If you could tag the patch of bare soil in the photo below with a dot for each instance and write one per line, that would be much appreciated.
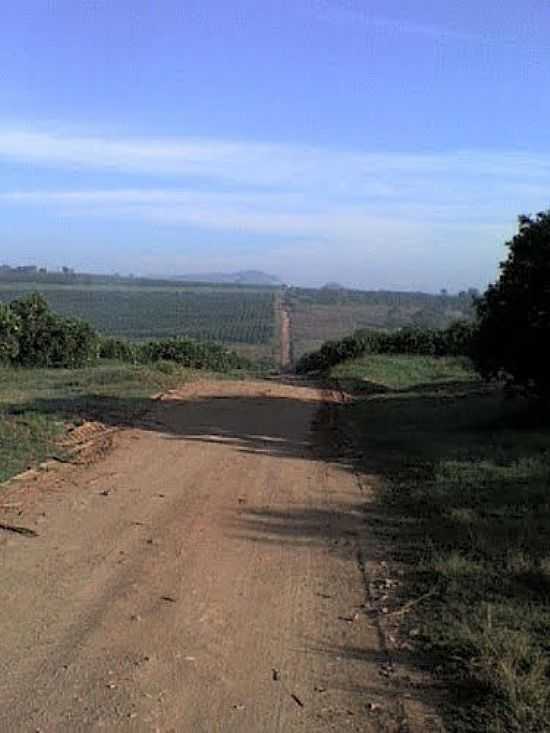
(207, 574)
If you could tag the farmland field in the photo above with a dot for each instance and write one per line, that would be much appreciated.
(242, 318)
(321, 315)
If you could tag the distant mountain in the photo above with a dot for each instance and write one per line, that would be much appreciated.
(246, 277)
(333, 286)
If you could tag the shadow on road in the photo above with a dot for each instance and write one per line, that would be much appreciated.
(384, 434)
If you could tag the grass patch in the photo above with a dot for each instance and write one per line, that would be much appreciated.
(38, 405)
(26, 439)
(401, 371)
(466, 505)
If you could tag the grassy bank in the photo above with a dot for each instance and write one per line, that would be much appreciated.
(38, 405)
(386, 372)
(465, 510)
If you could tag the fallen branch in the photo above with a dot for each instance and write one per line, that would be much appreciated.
(411, 604)
(18, 530)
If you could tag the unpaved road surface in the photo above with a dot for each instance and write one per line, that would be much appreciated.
(285, 358)
(202, 576)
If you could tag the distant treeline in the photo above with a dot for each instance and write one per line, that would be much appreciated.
(456, 340)
(345, 296)
(31, 335)
(40, 276)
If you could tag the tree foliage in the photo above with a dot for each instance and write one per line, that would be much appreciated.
(9, 335)
(514, 312)
(32, 336)
(45, 339)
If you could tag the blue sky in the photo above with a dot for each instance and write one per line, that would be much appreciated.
(381, 144)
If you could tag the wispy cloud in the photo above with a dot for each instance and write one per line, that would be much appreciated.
(347, 206)
(260, 164)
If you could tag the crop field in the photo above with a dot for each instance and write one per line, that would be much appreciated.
(321, 315)
(242, 318)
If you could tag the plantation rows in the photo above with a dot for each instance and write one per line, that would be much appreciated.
(237, 316)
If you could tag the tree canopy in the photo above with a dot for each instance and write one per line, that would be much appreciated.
(514, 313)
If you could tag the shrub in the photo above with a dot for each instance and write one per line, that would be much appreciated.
(118, 349)
(47, 340)
(456, 340)
(192, 354)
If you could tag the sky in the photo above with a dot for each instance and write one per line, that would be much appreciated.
(380, 144)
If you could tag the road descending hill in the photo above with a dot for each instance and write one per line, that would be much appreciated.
(206, 574)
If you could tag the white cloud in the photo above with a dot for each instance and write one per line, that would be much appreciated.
(263, 164)
(323, 210)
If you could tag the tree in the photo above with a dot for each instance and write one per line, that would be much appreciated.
(47, 340)
(514, 313)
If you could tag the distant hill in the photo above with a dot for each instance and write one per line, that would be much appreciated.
(245, 277)
(333, 286)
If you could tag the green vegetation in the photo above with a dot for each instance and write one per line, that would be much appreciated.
(185, 353)
(401, 372)
(331, 314)
(514, 313)
(37, 403)
(32, 336)
(464, 510)
(457, 339)
(229, 315)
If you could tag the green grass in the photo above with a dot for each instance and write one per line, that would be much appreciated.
(38, 405)
(401, 371)
(466, 510)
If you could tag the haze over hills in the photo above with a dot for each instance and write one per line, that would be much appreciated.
(243, 277)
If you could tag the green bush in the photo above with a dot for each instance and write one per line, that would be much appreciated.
(192, 354)
(456, 340)
(33, 336)
(118, 350)
(170, 352)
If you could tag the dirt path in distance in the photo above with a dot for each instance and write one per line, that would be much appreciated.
(286, 358)
(205, 575)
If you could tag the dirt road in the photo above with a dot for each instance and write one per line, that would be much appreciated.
(202, 576)
(285, 356)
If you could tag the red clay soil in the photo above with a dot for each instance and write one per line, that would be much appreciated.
(204, 574)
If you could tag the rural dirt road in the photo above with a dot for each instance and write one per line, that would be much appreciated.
(205, 574)
(285, 357)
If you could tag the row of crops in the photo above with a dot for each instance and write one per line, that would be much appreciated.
(238, 316)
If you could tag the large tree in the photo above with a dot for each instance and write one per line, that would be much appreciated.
(514, 313)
